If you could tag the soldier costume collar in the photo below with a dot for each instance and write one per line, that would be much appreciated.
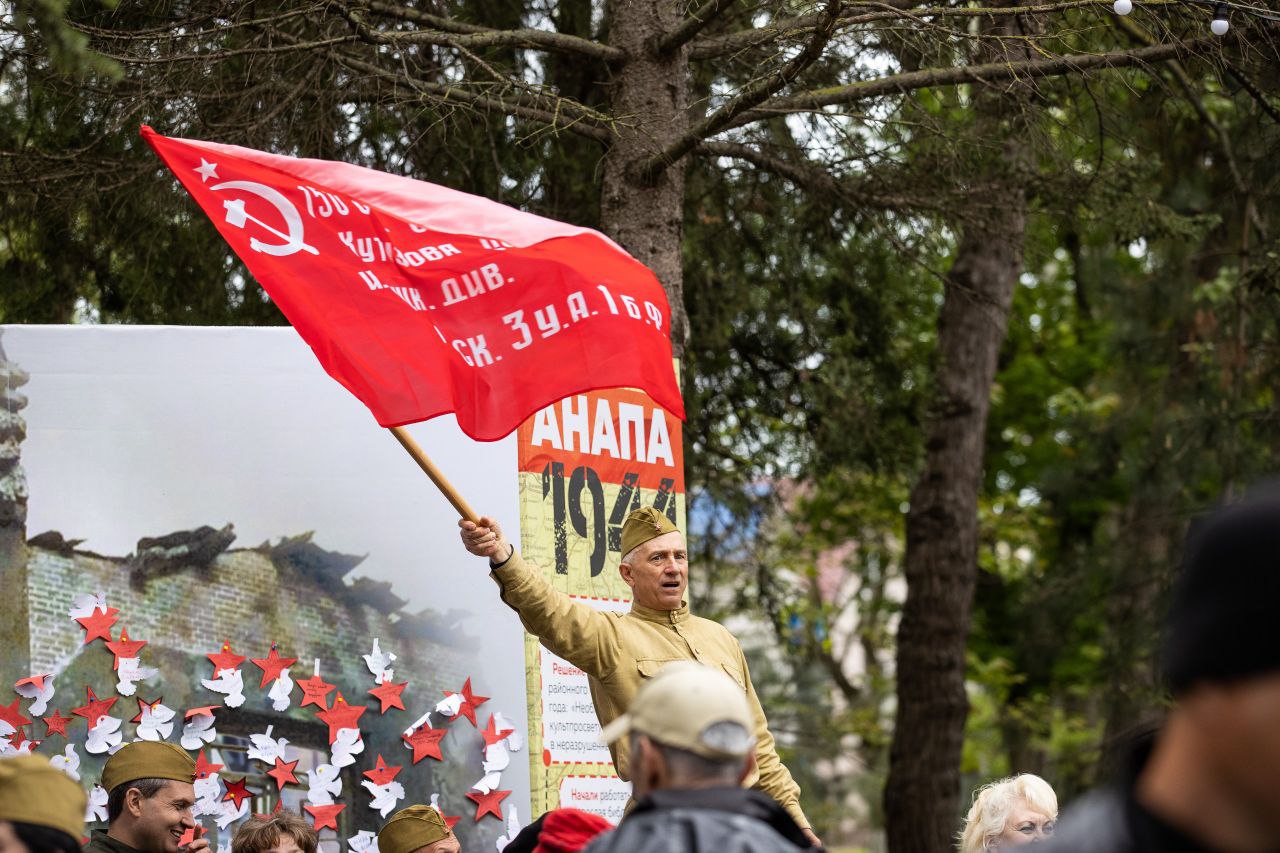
(662, 617)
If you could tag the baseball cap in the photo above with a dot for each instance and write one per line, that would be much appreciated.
(680, 706)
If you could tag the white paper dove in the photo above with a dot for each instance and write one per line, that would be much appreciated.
(379, 662)
(97, 808)
(497, 756)
(513, 829)
(323, 784)
(198, 731)
(84, 604)
(385, 796)
(281, 691)
(344, 750)
(8, 750)
(230, 683)
(224, 846)
(363, 841)
(513, 741)
(450, 705)
(68, 762)
(104, 736)
(131, 670)
(424, 720)
(39, 689)
(266, 748)
(155, 722)
(208, 796)
(230, 813)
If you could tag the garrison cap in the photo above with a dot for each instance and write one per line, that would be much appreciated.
(34, 791)
(412, 828)
(642, 525)
(148, 760)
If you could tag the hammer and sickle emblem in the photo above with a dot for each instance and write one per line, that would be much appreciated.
(237, 216)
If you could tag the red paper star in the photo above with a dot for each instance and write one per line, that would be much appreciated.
(274, 812)
(425, 742)
(192, 833)
(381, 774)
(492, 734)
(341, 716)
(12, 714)
(204, 768)
(283, 772)
(97, 625)
(93, 707)
(272, 664)
(225, 659)
(490, 803)
(315, 691)
(124, 647)
(19, 738)
(389, 695)
(55, 724)
(237, 792)
(196, 712)
(322, 816)
(451, 820)
(143, 703)
(470, 702)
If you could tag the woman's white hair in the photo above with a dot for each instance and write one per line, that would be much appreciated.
(993, 802)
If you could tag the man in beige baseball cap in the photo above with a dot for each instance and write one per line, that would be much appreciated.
(619, 652)
(692, 747)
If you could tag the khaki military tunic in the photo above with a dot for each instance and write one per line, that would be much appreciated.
(618, 651)
(100, 842)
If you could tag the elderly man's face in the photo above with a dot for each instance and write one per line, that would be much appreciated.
(444, 845)
(659, 572)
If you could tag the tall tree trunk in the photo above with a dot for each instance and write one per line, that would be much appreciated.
(940, 564)
(650, 96)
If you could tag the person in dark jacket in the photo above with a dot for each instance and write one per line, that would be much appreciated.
(1210, 778)
(692, 747)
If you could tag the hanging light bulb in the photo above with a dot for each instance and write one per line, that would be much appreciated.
(1220, 23)
(1123, 7)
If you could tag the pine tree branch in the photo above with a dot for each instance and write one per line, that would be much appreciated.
(815, 179)
(754, 93)
(692, 25)
(718, 46)
(472, 35)
(553, 115)
(987, 73)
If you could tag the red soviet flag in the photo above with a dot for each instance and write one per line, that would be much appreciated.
(423, 300)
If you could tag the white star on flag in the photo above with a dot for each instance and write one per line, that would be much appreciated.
(207, 170)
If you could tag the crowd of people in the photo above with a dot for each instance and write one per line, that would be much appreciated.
(685, 727)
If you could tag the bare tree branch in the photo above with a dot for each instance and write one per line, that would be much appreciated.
(471, 35)
(692, 25)
(988, 73)
(754, 93)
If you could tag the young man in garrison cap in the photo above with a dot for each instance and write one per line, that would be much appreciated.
(690, 730)
(417, 829)
(150, 794)
(1210, 780)
(41, 809)
(620, 651)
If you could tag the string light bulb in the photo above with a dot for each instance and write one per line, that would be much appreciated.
(1123, 7)
(1220, 23)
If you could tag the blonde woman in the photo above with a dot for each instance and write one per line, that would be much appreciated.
(1018, 810)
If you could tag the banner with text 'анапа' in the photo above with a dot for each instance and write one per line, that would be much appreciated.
(585, 463)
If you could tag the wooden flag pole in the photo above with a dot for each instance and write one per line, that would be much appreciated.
(429, 468)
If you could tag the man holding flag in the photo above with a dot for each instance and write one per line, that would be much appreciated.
(620, 651)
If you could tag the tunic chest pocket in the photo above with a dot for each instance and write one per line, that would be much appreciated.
(649, 667)
(735, 674)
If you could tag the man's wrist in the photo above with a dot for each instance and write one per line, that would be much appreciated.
(504, 561)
